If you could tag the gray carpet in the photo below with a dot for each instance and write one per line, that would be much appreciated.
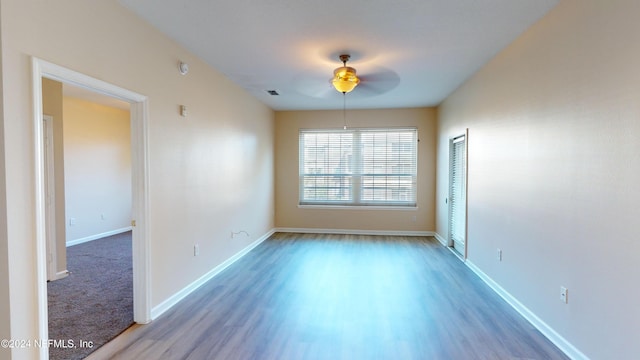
(95, 302)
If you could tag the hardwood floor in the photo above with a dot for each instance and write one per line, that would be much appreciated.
(303, 296)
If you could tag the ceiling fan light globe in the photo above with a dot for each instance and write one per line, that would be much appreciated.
(345, 79)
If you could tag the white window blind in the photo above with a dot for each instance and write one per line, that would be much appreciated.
(458, 191)
(358, 167)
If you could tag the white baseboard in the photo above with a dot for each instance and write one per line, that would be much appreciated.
(97, 236)
(355, 232)
(562, 343)
(175, 298)
(441, 239)
(60, 275)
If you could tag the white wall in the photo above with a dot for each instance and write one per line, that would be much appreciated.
(289, 215)
(210, 173)
(553, 172)
(97, 168)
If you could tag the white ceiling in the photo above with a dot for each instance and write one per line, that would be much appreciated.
(409, 53)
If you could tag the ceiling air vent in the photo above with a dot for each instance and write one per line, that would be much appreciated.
(273, 92)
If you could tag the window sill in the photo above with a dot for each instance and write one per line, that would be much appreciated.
(357, 207)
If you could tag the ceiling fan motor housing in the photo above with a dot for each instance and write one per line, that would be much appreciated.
(344, 77)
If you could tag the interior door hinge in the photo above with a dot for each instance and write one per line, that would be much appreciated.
(133, 223)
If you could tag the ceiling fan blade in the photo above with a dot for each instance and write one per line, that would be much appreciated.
(313, 85)
(378, 82)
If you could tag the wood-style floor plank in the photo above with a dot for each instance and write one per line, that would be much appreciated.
(308, 296)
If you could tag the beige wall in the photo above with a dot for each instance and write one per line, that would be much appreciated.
(5, 314)
(210, 173)
(52, 106)
(553, 172)
(288, 215)
(97, 152)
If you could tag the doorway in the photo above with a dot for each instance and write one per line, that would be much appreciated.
(93, 131)
(458, 194)
(139, 163)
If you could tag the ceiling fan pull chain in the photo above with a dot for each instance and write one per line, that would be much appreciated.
(344, 109)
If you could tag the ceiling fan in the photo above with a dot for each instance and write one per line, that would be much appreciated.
(376, 81)
(372, 81)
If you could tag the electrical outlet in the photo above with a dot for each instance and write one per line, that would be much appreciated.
(196, 250)
(564, 294)
(234, 233)
(499, 254)
(72, 221)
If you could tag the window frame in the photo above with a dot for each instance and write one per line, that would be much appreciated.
(355, 173)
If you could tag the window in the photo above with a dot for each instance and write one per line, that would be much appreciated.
(362, 167)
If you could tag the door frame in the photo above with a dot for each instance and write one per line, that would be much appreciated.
(50, 199)
(140, 185)
(466, 192)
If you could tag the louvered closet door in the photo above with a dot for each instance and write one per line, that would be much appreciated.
(457, 194)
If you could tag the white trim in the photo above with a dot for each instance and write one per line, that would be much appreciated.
(562, 343)
(466, 193)
(61, 274)
(40, 209)
(355, 232)
(177, 297)
(98, 236)
(50, 197)
(140, 179)
(141, 246)
(68, 76)
(441, 239)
